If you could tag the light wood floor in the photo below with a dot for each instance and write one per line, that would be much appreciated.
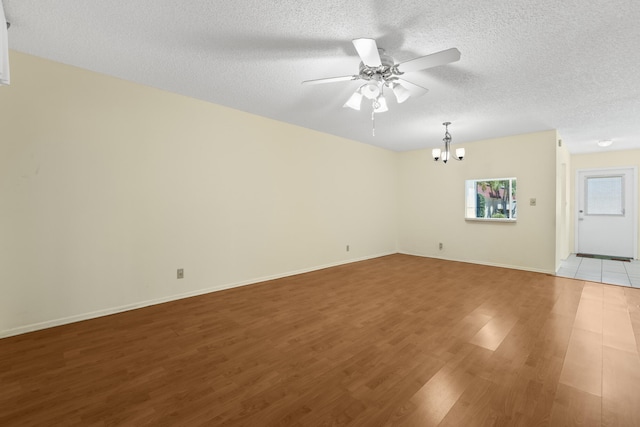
(397, 340)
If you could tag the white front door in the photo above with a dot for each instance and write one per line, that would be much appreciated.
(606, 219)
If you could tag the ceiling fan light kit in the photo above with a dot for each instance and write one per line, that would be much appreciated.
(446, 154)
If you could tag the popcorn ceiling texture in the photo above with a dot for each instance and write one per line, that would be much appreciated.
(526, 66)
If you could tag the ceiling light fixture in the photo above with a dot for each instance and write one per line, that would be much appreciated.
(446, 154)
(373, 91)
(605, 143)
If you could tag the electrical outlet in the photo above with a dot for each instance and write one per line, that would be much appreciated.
(181, 273)
(532, 202)
(440, 246)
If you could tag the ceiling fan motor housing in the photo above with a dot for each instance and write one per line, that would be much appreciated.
(383, 73)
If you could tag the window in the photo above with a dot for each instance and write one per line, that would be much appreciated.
(605, 195)
(491, 199)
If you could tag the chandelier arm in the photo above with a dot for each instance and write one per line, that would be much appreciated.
(453, 153)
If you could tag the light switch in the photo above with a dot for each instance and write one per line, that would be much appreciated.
(532, 202)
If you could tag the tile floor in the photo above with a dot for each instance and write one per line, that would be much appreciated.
(603, 271)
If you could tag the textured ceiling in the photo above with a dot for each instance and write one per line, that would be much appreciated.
(526, 66)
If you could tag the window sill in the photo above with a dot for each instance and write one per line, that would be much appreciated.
(507, 220)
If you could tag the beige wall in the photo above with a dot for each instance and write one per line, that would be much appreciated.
(609, 159)
(563, 208)
(107, 187)
(431, 204)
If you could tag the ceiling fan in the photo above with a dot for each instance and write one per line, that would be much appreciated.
(379, 70)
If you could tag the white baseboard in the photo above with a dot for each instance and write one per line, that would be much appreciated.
(490, 264)
(113, 310)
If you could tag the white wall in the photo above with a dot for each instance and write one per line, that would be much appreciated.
(431, 204)
(107, 187)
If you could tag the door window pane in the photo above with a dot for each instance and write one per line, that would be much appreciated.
(604, 195)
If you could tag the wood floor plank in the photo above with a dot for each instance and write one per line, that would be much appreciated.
(432, 402)
(397, 340)
(621, 388)
(617, 329)
(582, 367)
(492, 334)
(573, 407)
(621, 363)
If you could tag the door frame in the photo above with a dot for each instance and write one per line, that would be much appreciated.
(634, 202)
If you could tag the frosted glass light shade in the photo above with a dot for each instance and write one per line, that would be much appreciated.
(370, 90)
(435, 153)
(401, 93)
(355, 101)
(460, 153)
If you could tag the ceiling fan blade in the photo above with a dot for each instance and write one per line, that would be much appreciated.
(429, 61)
(368, 51)
(330, 80)
(416, 90)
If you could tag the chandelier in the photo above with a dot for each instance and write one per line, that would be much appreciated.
(446, 154)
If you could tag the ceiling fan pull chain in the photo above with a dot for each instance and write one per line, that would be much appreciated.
(373, 122)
